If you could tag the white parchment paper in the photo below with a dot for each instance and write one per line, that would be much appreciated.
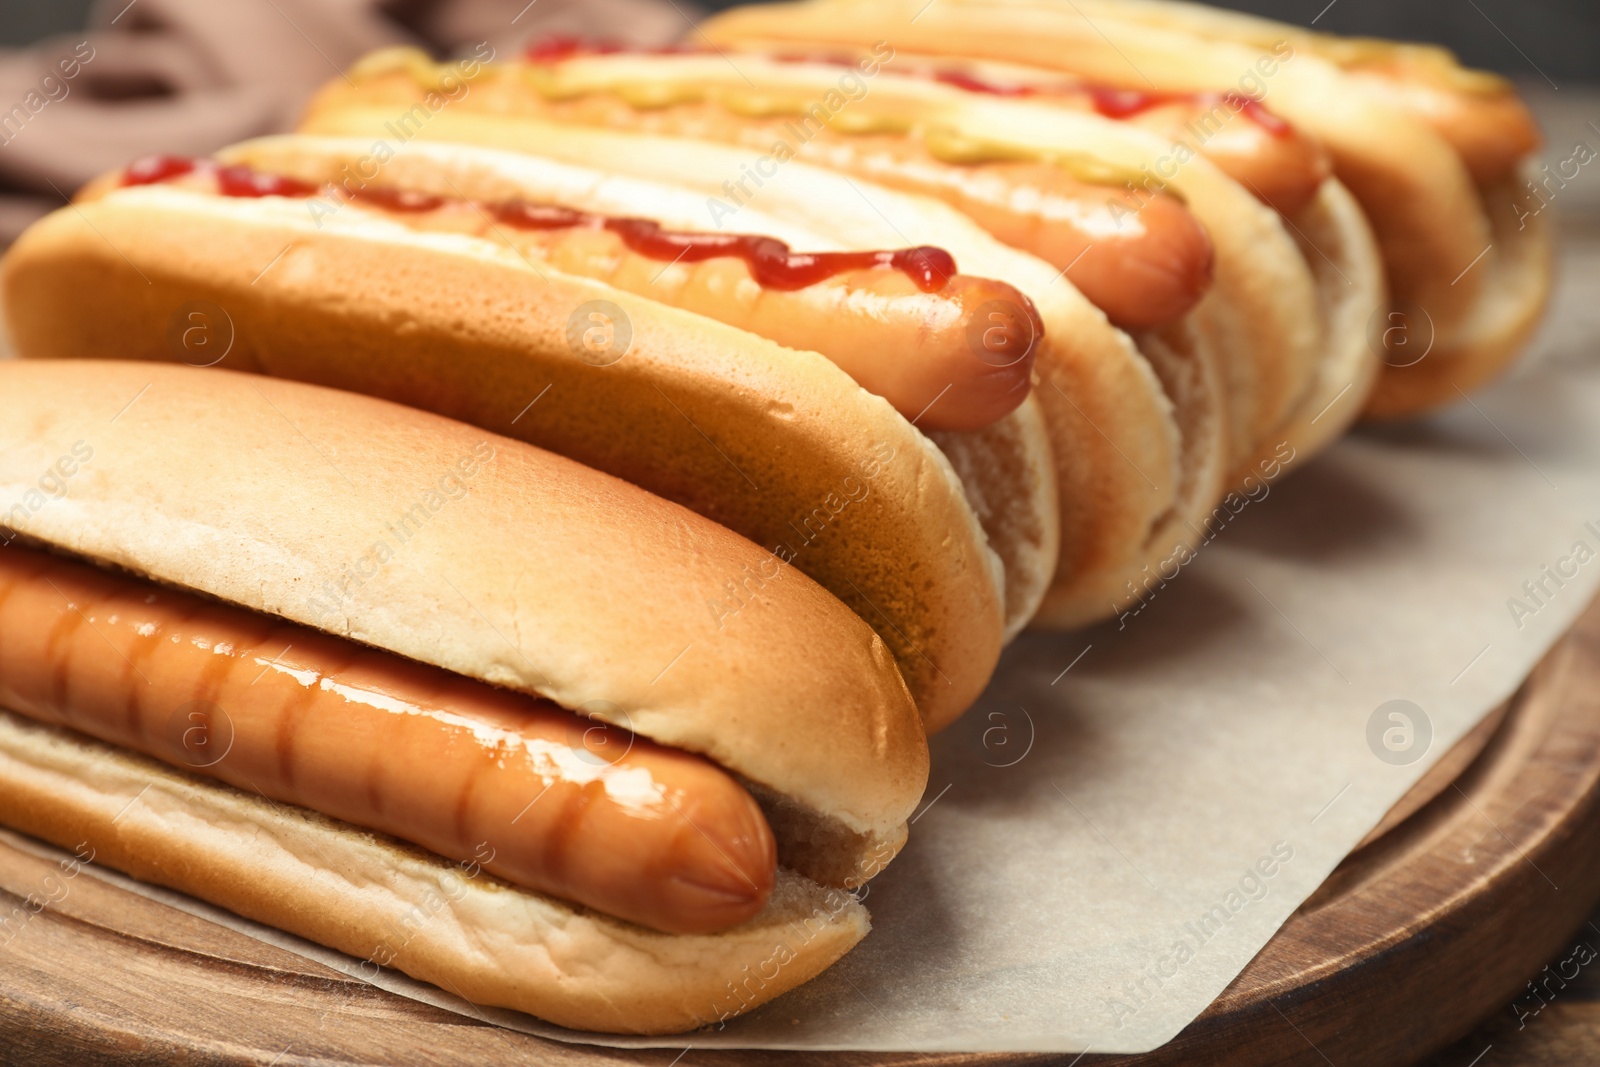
(1130, 813)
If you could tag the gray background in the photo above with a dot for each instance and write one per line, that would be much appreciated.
(1539, 40)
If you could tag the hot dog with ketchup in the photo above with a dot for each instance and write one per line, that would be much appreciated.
(600, 317)
(1479, 113)
(911, 300)
(1435, 154)
(196, 577)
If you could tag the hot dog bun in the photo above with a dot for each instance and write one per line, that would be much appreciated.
(539, 575)
(777, 444)
(1464, 269)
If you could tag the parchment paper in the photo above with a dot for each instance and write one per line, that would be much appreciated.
(1130, 813)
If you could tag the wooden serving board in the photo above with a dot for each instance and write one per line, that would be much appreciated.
(1476, 879)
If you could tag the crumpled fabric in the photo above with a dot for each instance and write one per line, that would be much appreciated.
(187, 77)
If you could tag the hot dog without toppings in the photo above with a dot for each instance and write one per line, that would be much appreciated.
(952, 351)
(559, 804)
(376, 616)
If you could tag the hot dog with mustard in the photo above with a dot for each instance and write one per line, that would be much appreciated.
(1435, 154)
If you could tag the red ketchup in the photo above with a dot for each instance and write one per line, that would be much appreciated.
(244, 182)
(1126, 103)
(974, 84)
(557, 47)
(154, 169)
(1110, 102)
(772, 263)
(231, 181)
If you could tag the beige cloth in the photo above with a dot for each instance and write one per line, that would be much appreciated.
(188, 76)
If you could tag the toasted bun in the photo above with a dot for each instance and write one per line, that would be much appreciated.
(777, 444)
(1430, 221)
(543, 576)
(387, 903)
(1129, 466)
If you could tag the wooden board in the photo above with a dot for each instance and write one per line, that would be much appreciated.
(1490, 858)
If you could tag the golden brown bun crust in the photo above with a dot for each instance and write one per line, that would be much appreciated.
(335, 511)
(389, 904)
(779, 445)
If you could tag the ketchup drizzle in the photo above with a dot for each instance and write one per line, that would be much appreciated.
(559, 46)
(242, 182)
(1108, 101)
(772, 263)
(1126, 103)
(973, 84)
(153, 169)
(245, 182)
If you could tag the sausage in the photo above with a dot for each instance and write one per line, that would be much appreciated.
(527, 790)
(1145, 262)
(1246, 141)
(959, 358)
(1282, 166)
(1493, 130)
(1142, 258)
(951, 351)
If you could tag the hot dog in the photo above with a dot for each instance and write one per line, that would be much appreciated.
(193, 575)
(658, 837)
(1484, 119)
(777, 443)
(1433, 153)
(901, 322)
(964, 110)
